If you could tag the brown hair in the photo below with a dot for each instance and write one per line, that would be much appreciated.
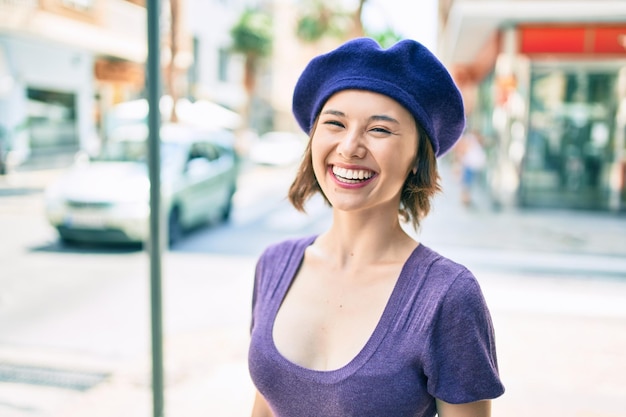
(417, 191)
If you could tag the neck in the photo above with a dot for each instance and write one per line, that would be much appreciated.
(365, 239)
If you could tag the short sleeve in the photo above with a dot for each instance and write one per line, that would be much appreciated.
(255, 291)
(461, 363)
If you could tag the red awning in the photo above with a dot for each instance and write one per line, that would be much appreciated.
(573, 39)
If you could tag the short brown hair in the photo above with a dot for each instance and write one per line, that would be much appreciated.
(417, 191)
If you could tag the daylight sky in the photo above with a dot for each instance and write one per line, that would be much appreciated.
(416, 19)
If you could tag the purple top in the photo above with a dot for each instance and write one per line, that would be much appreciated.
(434, 340)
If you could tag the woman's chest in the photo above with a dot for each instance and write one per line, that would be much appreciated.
(326, 319)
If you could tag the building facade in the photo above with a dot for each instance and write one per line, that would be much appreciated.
(65, 63)
(62, 61)
(544, 83)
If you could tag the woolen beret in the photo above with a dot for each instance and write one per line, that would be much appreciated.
(407, 72)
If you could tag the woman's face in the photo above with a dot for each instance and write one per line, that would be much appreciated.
(363, 147)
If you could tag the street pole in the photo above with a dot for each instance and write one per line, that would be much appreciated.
(154, 166)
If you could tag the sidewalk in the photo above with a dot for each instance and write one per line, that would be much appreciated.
(528, 239)
(204, 359)
(25, 182)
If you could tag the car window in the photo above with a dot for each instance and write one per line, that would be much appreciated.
(195, 152)
(204, 150)
(212, 152)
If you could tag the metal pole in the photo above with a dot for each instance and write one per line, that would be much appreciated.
(154, 165)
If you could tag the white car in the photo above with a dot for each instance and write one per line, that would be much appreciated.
(106, 199)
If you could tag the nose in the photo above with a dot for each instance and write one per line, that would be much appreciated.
(351, 145)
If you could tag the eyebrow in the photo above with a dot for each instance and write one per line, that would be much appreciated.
(376, 117)
(384, 118)
(334, 112)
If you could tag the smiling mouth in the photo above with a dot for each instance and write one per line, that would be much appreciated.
(352, 176)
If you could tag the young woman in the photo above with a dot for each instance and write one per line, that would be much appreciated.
(362, 320)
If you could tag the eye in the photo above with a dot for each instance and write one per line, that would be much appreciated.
(333, 122)
(380, 131)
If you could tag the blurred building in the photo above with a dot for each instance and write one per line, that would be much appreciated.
(65, 63)
(545, 84)
(290, 56)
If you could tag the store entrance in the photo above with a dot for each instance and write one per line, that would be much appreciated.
(52, 122)
(570, 142)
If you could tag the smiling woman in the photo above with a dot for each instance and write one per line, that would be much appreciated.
(362, 320)
(363, 139)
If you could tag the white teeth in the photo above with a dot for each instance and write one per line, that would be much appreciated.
(352, 174)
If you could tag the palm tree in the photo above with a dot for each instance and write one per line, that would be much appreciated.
(252, 36)
(173, 41)
(172, 72)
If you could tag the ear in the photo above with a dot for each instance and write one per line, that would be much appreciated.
(414, 170)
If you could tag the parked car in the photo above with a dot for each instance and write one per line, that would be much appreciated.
(106, 199)
(277, 148)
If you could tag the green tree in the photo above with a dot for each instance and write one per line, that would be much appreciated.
(252, 37)
(386, 38)
(321, 18)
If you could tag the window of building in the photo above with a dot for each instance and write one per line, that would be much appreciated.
(52, 121)
(570, 142)
(222, 65)
(79, 5)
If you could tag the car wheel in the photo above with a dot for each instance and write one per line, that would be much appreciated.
(65, 241)
(174, 227)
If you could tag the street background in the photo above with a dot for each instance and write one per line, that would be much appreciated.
(74, 321)
(543, 83)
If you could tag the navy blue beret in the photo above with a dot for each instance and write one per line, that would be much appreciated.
(407, 72)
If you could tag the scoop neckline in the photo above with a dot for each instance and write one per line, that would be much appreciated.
(373, 342)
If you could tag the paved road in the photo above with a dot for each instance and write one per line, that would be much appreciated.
(554, 281)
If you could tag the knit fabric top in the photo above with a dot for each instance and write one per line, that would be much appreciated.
(434, 339)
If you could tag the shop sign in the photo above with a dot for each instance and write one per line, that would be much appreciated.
(573, 39)
(119, 72)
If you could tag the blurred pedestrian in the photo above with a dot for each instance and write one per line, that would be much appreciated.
(472, 158)
(362, 320)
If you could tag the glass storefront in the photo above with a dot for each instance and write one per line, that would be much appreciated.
(52, 122)
(571, 144)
